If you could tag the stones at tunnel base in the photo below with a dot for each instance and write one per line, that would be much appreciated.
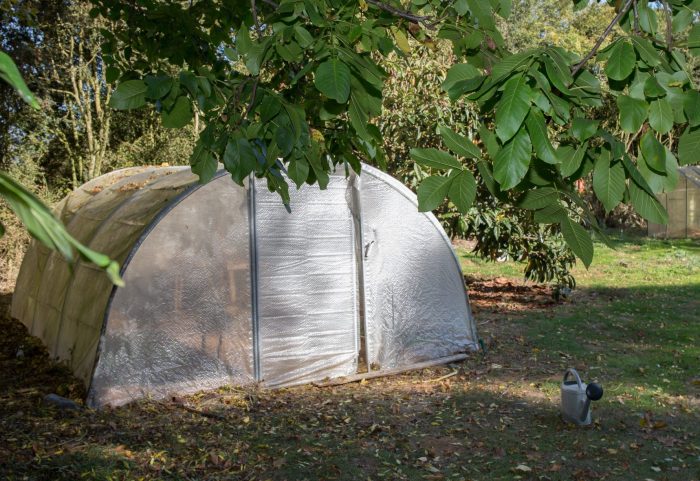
(61, 402)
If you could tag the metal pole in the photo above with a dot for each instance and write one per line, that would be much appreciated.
(359, 252)
(254, 279)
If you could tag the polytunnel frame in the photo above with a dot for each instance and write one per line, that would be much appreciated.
(356, 188)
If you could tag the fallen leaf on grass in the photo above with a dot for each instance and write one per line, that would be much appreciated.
(523, 468)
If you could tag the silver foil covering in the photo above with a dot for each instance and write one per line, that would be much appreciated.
(307, 307)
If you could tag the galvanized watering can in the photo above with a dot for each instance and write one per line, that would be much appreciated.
(576, 398)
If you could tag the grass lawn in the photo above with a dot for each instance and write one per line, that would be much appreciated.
(633, 324)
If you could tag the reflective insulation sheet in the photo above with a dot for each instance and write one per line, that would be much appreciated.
(415, 297)
(307, 313)
(183, 321)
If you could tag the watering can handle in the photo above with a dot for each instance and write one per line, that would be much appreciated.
(573, 372)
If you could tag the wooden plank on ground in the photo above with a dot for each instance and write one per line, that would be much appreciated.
(390, 372)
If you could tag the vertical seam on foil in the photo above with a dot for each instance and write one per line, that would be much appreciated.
(357, 185)
(254, 279)
(355, 276)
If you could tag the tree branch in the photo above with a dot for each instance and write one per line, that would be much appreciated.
(253, 93)
(577, 68)
(254, 9)
(427, 22)
(630, 142)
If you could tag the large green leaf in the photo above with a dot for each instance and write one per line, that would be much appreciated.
(538, 198)
(332, 79)
(558, 71)
(608, 181)
(459, 144)
(239, 158)
(303, 37)
(583, 129)
(537, 128)
(43, 226)
(129, 95)
(179, 116)
(661, 116)
(578, 239)
(512, 161)
(621, 60)
(647, 205)
(463, 191)
(298, 171)
(653, 152)
(483, 13)
(550, 214)
(652, 88)
(691, 106)
(510, 63)
(633, 113)
(313, 156)
(435, 158)
(513, 107)
(689, 147)
(458, 73)
(635, 175)
(647, 18)
(359, 118)
(694, 40)
(646, 51)
(661, 182)
(682, 19)
(432, 191)
(204, 165)
(10, 74)
(486, 173)
(571, 158)
(158, 86)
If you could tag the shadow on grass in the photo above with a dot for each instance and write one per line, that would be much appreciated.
(496, 418)
(398, 428)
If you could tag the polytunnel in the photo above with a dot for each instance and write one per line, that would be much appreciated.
(225, 285)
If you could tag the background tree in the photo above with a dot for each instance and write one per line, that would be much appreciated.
(72, 137)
